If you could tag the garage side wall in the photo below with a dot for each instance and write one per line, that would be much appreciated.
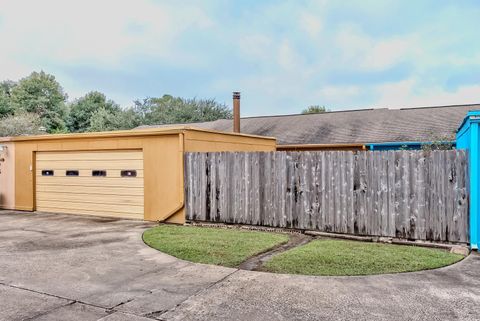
(7, 176)
(163, 156)
(198, 141)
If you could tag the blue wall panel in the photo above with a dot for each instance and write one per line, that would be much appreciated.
(468, 138)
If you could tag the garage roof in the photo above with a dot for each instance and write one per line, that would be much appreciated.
(151, 131)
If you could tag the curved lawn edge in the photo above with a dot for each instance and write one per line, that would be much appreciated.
(331, 257)
(214, 246)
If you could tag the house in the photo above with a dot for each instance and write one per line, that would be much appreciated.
(353, 129)
(134, 174)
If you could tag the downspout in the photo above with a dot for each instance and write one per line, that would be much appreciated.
(181, 185)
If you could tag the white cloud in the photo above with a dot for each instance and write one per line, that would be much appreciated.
(387, 53)
(93, 31)
(311, 24)
(410, 93)
(338, 94)
(363, 52)
(256, 46)
(285, 52)
(287, 56)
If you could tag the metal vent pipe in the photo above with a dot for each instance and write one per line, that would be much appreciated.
(236, 112)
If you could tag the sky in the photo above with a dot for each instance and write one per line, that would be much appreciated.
(282, 55)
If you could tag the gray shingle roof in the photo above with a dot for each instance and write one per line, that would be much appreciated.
(356, 126)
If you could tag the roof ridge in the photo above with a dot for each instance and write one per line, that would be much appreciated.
(310, 114)
(443, 106)
(361, 110)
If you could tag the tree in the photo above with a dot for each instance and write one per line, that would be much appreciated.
(128, 119)
(170, 110)
(41, 94)
(105, 120)
(314, 109)
(82, 109)
(20, 124)
(102, 120)
(6, 105)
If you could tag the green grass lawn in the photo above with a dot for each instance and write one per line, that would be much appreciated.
(211, 245)
(339, 257)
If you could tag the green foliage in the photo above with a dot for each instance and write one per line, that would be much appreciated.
(211, 245)
(438, 145)
(82, 109)
(105, 120)
(102, 120)
(338, 257)
(20, 124)
(170, 110)
(41, 94)
(128, 119)
(439, 142)
(314, 109)
(6, 105)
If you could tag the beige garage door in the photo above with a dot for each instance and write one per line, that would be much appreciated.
(93, 183)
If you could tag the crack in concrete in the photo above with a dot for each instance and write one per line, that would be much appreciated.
(199, 292)
(154, 314)
(51, 310)
(52, 295)
(125, 302)
(71, 301)
(110, 310)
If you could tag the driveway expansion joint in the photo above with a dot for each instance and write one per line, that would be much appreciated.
(211, 285)
(49, 311)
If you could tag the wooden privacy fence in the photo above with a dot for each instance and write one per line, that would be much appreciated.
(406, 194)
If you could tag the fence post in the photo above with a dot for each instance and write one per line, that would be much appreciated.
(468, 138)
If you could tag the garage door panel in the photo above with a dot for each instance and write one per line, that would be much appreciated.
(94, 190)
(101, 155)
(92, 198)
(88, 173)
(136, 216)
(90, 181)
(110, 195)
(91, 164)
(134, 209)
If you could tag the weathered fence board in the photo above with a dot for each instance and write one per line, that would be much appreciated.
(406, 194)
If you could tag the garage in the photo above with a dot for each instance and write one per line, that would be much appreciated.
(106, 183)
(135, 174)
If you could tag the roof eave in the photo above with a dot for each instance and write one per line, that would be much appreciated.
(125, 133)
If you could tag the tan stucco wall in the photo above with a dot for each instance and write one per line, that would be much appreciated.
(197, 141)
(7, 176)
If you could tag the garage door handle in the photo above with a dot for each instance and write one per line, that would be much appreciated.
(128, 173)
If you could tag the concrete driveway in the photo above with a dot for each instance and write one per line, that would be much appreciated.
(63, 267)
